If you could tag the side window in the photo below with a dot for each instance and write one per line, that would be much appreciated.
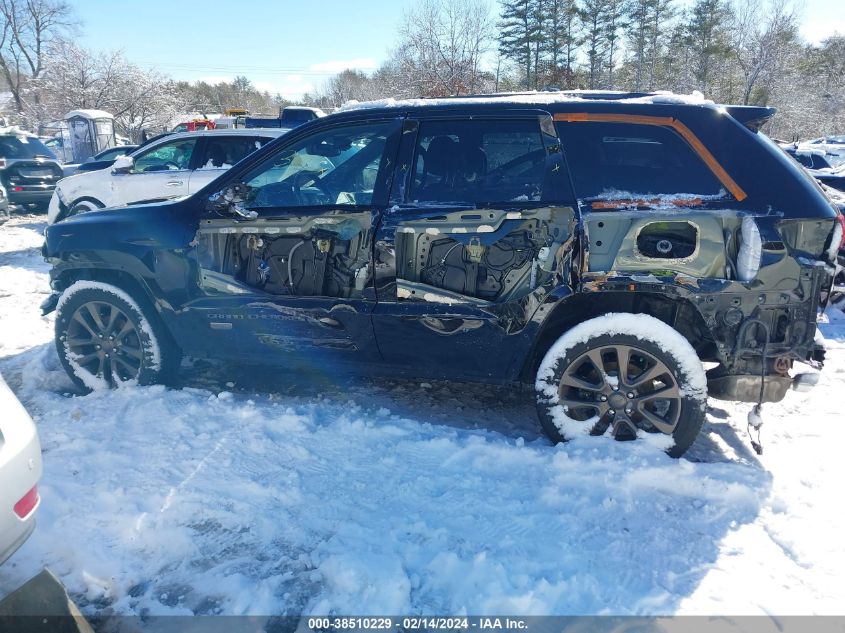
(168, 157)
(621, 159)
(339, 166)
(479, 162)
(223, 152)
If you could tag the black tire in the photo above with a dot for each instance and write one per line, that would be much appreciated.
(104, 338)
(83, 206)
(661, 388)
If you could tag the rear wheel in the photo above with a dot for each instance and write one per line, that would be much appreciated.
(622, 375)
(104, 338)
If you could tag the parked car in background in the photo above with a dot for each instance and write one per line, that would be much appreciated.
(594, 247)
(826, 163)
(835, 139)
(175, 165)
(28, 170)
(194, 125)
(105, 158)
(289, 118)
(4, 205)
(20, 470)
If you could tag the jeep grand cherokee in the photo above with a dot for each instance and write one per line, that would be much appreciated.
(597, 247)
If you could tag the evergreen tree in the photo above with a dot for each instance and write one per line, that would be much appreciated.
(519, 34)
(562, 40)
(594, 20)
(707, 39)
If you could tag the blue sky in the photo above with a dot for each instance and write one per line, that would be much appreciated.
(288, 47)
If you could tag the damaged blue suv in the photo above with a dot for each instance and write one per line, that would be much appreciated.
(596, 247)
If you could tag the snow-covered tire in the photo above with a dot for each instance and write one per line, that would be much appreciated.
(83, 206)
(661, 390)
(105, 339)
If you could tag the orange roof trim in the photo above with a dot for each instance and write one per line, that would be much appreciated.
(663, 121)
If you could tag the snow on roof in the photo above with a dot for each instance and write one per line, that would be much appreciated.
(665, 96)
(530, 98)
(90, 114)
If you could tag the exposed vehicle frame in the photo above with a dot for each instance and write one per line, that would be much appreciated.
(588, 258)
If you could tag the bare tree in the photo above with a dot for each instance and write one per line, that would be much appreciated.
(77, 78)
(761, 45)
(441, 44)
(29, 27)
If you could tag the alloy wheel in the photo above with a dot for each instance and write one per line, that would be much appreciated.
(104, 341)
(623, 389)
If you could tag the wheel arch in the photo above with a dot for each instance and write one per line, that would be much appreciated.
(677, 312)
(64, 210)
(126, 282)
(91, 199)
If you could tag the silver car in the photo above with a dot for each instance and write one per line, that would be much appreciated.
(20, 470)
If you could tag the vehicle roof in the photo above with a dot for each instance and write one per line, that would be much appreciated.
(90, 114)
(563, 99)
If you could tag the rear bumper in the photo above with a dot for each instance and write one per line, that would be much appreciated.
(28, 195)
(23, 532)
(20, 470)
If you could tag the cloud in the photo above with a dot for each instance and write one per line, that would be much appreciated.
(339, 65)
(816, 30)
(289, 86)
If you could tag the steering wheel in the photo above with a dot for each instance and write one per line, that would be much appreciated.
(311, 179)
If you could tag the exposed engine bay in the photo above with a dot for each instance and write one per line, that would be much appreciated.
(490, 256)
(319, 256)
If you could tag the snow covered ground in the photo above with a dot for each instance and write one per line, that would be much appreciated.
(274, 495)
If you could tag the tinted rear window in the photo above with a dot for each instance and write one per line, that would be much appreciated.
(608, 158)
(23, 147)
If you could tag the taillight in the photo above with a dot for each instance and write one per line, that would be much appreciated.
(27, 503)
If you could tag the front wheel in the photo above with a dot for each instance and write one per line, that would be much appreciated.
(83, 206)
(622, 375)
(104, 338)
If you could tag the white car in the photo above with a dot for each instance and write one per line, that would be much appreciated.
(20, 470)
(175, 165)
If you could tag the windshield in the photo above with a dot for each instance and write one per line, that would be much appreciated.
(24, 147)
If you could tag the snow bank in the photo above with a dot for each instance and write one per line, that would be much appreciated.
(316, 495)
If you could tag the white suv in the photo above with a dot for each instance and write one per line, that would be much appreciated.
(175, 165)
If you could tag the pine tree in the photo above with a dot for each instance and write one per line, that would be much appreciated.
(614, 21)
(561, 40)
(706, 35)
(594, 19)
(518, 33)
